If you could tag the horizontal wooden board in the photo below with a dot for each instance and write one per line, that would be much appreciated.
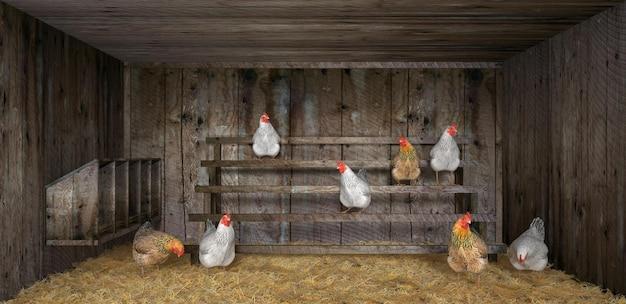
(344, 140)
(335, 189)
(344, 249)
(195, 31)
(344, 217)
(303, 164)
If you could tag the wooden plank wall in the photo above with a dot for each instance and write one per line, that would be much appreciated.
(563, 146)
(60, 109)
(174, 110)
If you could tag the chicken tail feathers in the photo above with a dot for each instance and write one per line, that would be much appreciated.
(362, 175)
(210, 228)
(537, 225)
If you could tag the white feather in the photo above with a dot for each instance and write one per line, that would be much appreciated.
(530, 244)
(217, 247)
(355, 192)
(266, 141)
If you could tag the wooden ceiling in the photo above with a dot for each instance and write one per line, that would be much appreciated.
(229, 31)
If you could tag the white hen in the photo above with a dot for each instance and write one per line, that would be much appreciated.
(217, 247)
(266, 141)
(528, 251)
(444, 156)
(355, 191)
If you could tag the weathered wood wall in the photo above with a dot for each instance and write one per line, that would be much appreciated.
(174, 110)
(61, 107)
(564, 150)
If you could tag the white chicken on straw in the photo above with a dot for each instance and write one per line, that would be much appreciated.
(528, 251)
(217, 247)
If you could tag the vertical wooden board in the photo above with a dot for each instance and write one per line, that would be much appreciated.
(146, 180)
(134, 192)
(174, 217)
(435, 100)
(542, 130)
(480, 99)
(194, 132)
(615, 261)
(263, 91)
(33, 176)
(556, 91)
(106, 199)
(501, 97)
(85, 202)
(366, 111)
(11, 138)
(400, 203)
(127, 95)
(316, 111)
(596, 186)
(121, 194)
(223, 120)
(147, 113)
(54, 101)
(59, 210)
(155, 189)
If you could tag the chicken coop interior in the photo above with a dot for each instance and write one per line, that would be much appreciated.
(116, 113)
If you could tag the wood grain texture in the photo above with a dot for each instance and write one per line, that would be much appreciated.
(222, 90)
(562, 99)
(121, 195)
(146, 191)
(316, 111)
(344, 217)
(366, 111)
(134, 192)
(195, 102)
(263, 91)
(292, 31)
(105, 200)
(344, 140)
(53, 86)
(174, 214)
(308, 164)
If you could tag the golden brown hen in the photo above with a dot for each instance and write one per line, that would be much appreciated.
(406, 165)
(152, 247)
(467, 251)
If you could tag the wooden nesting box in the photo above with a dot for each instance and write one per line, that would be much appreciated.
(102, 201)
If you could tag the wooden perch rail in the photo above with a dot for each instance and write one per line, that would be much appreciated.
(303, 164)
(343, 217)
(430, 140)
(342, 249)
(335, 189)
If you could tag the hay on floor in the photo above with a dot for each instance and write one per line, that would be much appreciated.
(114, 278)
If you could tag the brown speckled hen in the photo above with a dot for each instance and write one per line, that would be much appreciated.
(152, 247)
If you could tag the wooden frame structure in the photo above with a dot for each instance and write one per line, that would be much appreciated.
(102, 201)
(215, 189)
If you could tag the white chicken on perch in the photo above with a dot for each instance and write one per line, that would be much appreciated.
(217, 247)
(444, 156)
(355, 190)
(528, 251)
(266, 141)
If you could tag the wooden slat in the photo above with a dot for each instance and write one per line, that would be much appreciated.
(71, 242)
(222, 89)
(327, 65)
(344, 217)
(335, 189)
(366, 111)
(121, 194)
(315, 108)
(134, 192)
(306, 164)
(106, 199)
(195, 114)
(174, 217)
(146, 192)
(156, 193)
(262, 91)
(85, 202)
(59, 197)
(343, 140)
(345, 249)
(400, 203)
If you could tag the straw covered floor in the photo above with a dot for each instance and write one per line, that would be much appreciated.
(114, 278)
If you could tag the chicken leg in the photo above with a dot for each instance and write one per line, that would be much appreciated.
(346, 211)
(437, 177)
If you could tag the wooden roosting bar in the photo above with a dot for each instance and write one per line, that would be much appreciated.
(215, 189)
